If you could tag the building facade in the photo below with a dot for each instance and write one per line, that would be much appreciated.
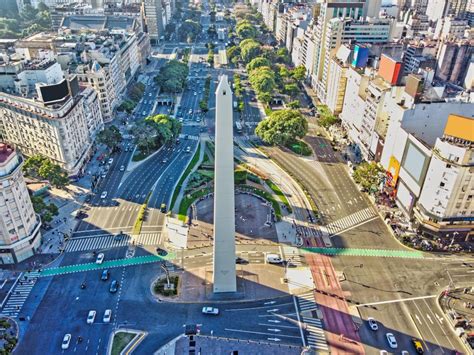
(20, 233)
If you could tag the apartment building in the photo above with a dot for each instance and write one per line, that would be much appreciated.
(446, 203)
(153, 15)
(20, 233)
(52, 122)
(453, 60)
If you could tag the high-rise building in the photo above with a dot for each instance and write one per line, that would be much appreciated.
(153, 12)
(453, 61)
(53, 122)
(19, 225)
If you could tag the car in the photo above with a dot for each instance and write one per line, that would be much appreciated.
(417, 345)
(163, 208)
(383, 352)
(66, 341)
(188, 149)
(91, 317)
(110, 161)
(104, 175)
(164, 161)
(107, 316)
(122, 167)
(239, 260)
(100, 258)
(150, 94)
(404, 352)
(392, 342)
(372, 323)
(161, 252)
(114, 286)
(274, 259)
(145, 102)
(103, 195)
(190, 112)
(210, 310)
(105, 275)
(195, 93)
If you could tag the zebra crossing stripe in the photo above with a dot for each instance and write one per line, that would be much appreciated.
(109, 241)
(407, 254)
(350, 220)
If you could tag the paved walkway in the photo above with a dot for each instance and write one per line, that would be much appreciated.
(366, 252)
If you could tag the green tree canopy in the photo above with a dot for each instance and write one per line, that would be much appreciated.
(110, 136)
(282, 127)
(368, 175)
(263, 80)
(245, 29)
(283, 56)
(172, 76)
(41, 167)
(299, 73)
(258, 62)
(291, 89)
(250, 49)
(189, 30)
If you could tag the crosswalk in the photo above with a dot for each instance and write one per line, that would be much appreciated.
(314, 326)
(19, 294)
(351, 220)
(111, 241)
(293, 254)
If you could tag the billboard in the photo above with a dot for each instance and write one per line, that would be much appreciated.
(361, 56)
(54, 93)
(415, 162)
(393, 171)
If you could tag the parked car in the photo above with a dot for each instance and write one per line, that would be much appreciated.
(66, 341)
(163, 208)
(161, 252)
(372, 323)
(239, 260)
(210, 310)
(392, 342)
(91, 317)
(103, 195)
(107, 316)
(114, 286)
(100, 258)
(105, 275)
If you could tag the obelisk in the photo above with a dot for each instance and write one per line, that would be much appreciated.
(224, 205)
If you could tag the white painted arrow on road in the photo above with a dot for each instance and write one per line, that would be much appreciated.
(274, 321)
(271, 302)
(274, 330)
(418, 318)
(428, 316)
(273, 310)
(440, 319)
(274, 339)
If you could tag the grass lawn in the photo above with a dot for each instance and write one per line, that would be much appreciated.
(300, 147)
(279, 193)
(121, 340)
(185, 174)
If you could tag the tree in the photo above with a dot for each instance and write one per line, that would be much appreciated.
(326, 118)
(45, 211)
(283, 56)
(282, 127)
(110, 136)
(258, 62)
(250, 49)
(299, 73)
(245, 29)
(166, 128)
(291, 89)
(263, 80)
(368, 175)
(294, 104)
(189, 30)
(172, 76)
(41, 167)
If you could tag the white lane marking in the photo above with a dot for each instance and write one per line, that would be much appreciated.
(418, 319)
(397, 300)
(299, 321)
(261, 333)
(261, 307)
(429, 318)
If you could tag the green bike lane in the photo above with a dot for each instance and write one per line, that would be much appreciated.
(147, 259)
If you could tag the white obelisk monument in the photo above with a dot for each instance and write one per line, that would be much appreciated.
(224, 204)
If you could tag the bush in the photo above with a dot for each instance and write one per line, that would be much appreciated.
(159, 286)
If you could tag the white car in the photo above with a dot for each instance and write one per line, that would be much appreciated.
(372, 323)
(91, 317)
(103, 195)
(100, 258)
(66, 341)
(392, 342)
(274, 259)
(111, 160)
(149, 94)
(107, 315)
(210, 310)
(188, 149)
(122, 168)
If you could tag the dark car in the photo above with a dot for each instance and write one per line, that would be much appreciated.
(114, 286)
(163, 208)
(239, 260)
(161, 252)
(105, 275)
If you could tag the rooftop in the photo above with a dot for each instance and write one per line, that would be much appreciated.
(460, 127)
(6, 151)
(99, 22)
